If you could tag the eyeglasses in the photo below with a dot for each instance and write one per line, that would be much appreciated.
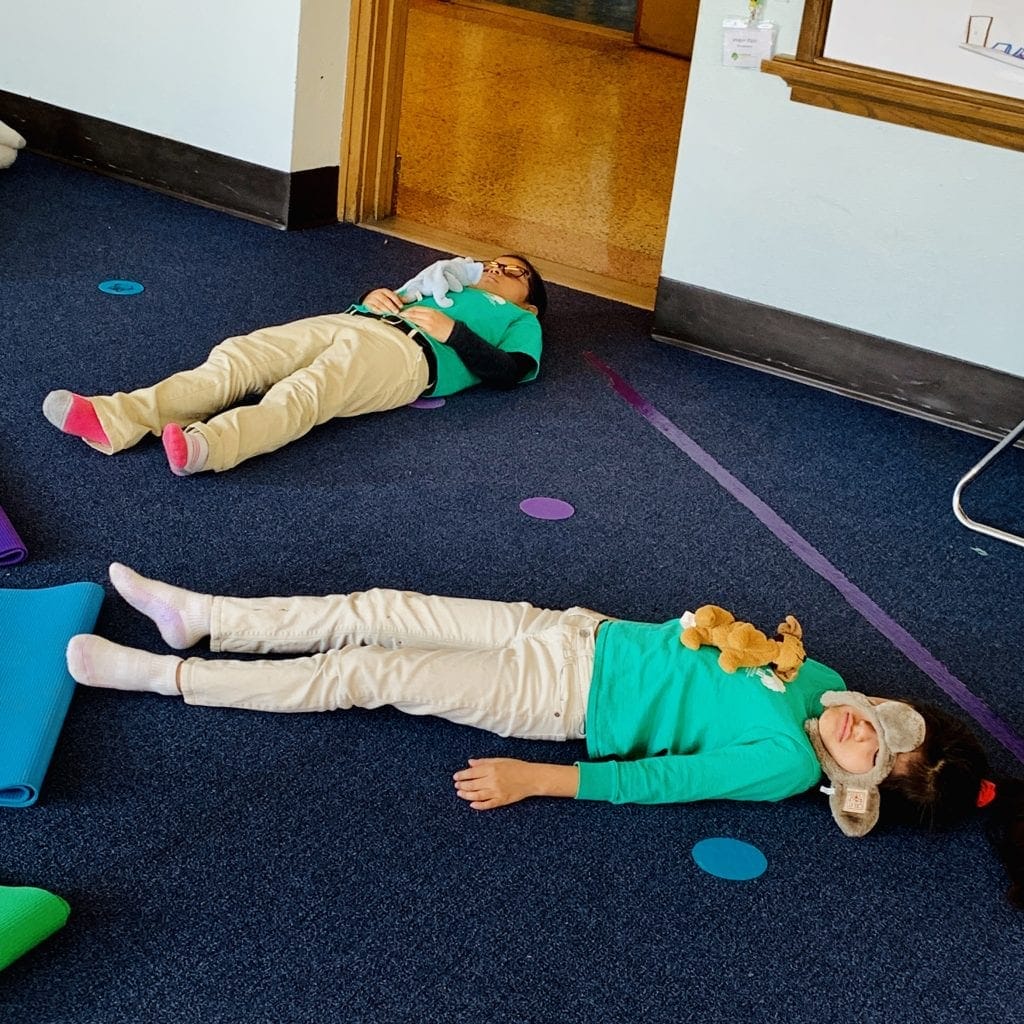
(508, 269)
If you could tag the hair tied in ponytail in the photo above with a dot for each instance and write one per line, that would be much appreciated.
(986, 793)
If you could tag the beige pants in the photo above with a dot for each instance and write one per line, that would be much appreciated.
(512, 669)
(308, 372)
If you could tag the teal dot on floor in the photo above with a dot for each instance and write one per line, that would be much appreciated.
(729, 858)
(121, 287)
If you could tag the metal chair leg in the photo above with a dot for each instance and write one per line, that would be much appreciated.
(971, 524)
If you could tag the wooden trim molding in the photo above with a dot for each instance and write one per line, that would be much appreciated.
(373, 98)
(887, 96)
(899, 99)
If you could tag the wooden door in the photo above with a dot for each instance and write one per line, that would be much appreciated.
(666, 25)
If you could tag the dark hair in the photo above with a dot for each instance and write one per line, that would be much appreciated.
(537, 295)
(937, 786)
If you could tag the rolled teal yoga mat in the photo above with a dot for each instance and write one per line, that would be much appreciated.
(35, 688)
(27, 916)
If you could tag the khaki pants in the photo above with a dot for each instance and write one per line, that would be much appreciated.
(512, 669)
(308, 372)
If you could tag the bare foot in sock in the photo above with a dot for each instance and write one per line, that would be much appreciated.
(74, 415)
(182, 616)
(94, 661)
(186, 452)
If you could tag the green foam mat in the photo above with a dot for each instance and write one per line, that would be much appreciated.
(27, 916)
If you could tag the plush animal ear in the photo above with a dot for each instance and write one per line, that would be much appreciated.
(708, 615)
(903, 726)
(855, 809)
(791, 654)
(790, 628)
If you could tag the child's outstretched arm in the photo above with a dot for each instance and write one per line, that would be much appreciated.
(491, 782)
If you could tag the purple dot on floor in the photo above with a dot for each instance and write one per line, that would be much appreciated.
(729, 858)
(427, 403)
(546, 508)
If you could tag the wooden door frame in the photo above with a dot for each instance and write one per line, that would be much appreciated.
(373, 100)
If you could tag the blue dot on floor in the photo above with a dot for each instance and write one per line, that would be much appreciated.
(121, 287)
(427, 403)
(729, 858)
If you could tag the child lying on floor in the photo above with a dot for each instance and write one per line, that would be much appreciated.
(383, 353)
(662, 723)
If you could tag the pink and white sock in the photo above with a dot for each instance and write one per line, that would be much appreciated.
(182, 616)
(186, 451)
(93, 661)
(74, 415)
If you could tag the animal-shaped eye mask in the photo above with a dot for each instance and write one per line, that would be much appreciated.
(854, 798)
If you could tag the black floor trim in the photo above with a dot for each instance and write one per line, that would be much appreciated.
(898, 376)
(298, 199)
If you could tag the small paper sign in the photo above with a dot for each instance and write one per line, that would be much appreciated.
(745, 44)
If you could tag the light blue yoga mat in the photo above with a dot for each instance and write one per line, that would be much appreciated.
(35, 687)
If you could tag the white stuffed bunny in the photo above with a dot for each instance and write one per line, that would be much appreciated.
(10, 143)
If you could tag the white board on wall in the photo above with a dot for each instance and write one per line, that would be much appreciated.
(949, 41)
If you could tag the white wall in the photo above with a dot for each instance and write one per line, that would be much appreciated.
(902, 233)
(320, 85)
(260, 80)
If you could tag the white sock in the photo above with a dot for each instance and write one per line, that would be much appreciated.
(94, 661)
(182, 616)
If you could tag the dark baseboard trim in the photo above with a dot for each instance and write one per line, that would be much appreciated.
(297, 199)
(888, 373)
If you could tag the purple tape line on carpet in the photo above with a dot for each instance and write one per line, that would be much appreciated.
(12, 547)
(881, 620)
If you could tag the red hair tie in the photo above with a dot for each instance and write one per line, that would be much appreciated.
(986, 793)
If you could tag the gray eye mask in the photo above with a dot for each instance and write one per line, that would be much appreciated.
(854, 798)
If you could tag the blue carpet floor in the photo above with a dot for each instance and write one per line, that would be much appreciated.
(235, 867)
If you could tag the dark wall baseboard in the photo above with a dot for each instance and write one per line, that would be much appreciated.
(889, 373)
(296, 199)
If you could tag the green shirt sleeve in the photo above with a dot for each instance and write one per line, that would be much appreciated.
(769, 769)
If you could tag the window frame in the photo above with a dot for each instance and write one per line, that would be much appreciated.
(888, 96)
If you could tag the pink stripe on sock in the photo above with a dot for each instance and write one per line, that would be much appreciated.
(175, 446)
(83, 422)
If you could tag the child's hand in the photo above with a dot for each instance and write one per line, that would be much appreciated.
(383, 300)
(491, 782)
(437, 324)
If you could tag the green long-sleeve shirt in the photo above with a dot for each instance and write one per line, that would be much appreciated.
(665, 724)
